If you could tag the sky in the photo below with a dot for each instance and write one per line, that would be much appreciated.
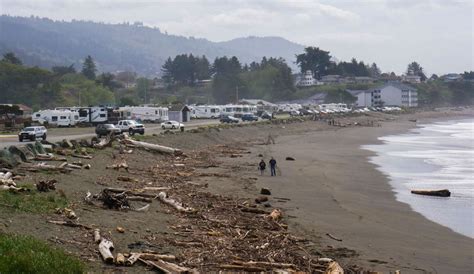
(438, 34)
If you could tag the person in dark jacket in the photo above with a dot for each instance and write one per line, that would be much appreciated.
(262, 166)
(273, 163)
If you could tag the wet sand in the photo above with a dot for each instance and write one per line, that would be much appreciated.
(334, 189)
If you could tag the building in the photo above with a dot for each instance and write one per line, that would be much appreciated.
(316, 99)
(25, 110)
(414, 79)
(389, 94)
(179, 113)
(332, 79)
(306, 80)
(452, 77)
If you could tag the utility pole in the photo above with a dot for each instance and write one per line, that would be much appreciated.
(237, 94)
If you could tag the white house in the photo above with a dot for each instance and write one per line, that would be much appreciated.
(414, 79)
(306, 80)
(390, 94)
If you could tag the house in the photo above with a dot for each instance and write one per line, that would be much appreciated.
(180, 113)
(306, 80)
(26, 111)
(452, 77)
(332, 79)
(414, 79)
(316, 99)
(389, 94)
(363, 80)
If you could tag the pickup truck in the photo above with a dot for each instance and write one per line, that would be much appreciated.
(32, 133)
(131, 127)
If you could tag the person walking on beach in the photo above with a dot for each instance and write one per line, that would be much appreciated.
(262, 166)
(273, 163)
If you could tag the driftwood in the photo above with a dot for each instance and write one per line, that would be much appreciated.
(97, 237)
(81, 156)
(132, 259)
(166, 267)
(152, 256)
(254, 210)
(143, 209)
(13, 188)
(242, 268)
(334, 268)
(70, 224)
(276, 214)
(134, 193)
(153, 147)
(45, 167)
(333, 237)
(265, 264)
(103, 143)
(120, 260)
(162, 196)
(438, 193)
(118, 166)
(105, 249)
(48, 157)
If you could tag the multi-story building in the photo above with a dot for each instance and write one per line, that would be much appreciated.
(390, 94)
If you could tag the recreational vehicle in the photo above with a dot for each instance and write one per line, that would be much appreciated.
(206, 111)
(92, 115)
(238, 110)
(56, 117)
(149, 114)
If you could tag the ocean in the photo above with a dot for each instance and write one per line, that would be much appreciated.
(433, 156)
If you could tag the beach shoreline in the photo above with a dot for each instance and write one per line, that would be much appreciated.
(333, 189)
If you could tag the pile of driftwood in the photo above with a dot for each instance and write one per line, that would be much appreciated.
(214, 232)
(7, 183)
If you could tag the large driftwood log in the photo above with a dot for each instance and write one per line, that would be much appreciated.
(154, 147)
(103, 143)
(242, 268)
(162, 196)
(105, 249)
(48, 157)
(264, 264)
(153, 257)
(438, 193)
(120, 260)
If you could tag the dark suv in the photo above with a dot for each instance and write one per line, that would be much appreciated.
(249, 117)
(105, 129)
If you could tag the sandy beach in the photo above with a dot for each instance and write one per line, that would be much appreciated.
(330, 195)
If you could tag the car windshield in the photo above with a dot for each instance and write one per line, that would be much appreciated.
(29, 129)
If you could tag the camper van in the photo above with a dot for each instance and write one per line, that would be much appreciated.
(206, 111)
(60, 118)
(143, 113)
(238, 110)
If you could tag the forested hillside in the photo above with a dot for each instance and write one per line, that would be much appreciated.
(47, 43)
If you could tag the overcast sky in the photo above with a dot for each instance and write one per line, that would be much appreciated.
(436, 33)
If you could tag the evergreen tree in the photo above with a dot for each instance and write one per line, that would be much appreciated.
(374, 70)
(415, 69)
(11, 58)
(88, 68)
(314, 59)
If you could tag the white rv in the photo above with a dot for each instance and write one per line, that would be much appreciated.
(206, 111)
(93, 115)
(56, 117)
(238, 110)
(143, 113)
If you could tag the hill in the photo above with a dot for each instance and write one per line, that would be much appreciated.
(116, 47)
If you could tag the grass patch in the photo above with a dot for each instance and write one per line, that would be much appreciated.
(33, 202)
(24, 254)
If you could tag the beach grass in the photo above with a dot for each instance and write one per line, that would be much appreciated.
(25, 254)
(32, 201)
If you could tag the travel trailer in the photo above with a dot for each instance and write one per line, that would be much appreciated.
(238, 110)
(206, 111)
(143, 113)
(92, 115)
(56, 117)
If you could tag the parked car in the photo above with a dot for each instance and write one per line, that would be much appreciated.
(106, 129)
(172, 125)
(228, 119)
(266, 115)
(131, 127)
(31, 133)
(295, 113)
(249, 117)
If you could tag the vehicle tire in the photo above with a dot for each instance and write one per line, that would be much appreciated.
(142, 133)
(173, 127)
(33, 138)
(44, 137)
(162, 127)
(131, 132)
(20, 139)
